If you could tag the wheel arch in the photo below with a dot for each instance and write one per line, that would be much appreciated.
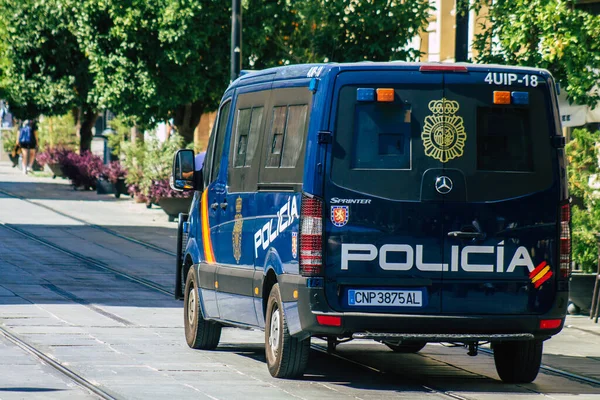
(269, 281)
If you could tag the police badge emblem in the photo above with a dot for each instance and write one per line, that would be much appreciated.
(236, 235)
(444, 133)
(294, 244)
(340, 215)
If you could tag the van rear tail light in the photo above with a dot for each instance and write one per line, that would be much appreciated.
(565, 241)
(443, 68)
(329, 320)
(311, 236)
(550, 323)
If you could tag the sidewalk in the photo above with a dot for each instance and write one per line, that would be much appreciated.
(122, 215)
(576, 349)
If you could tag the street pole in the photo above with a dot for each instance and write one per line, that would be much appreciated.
(236, 38)
(461, 43)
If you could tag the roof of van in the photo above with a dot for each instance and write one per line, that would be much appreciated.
(298, 71)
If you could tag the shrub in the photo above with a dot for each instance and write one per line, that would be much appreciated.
(114, 171)
(83, 170)
(161, 188)
(9, 140)
(57, 132)
(53, 155)
(582, 154)
(149, 163)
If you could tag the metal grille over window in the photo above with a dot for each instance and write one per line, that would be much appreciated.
(248, 124)
(287, 135)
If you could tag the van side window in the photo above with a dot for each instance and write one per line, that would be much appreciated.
(285, 140)
(220, 139)
(246, 140)
(287, 135)
(247, 130)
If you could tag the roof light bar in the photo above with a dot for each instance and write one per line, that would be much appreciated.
(385, 95)
(501, 97)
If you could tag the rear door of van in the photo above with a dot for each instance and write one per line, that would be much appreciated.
(501, 217)
(378, 229)
(443, 194)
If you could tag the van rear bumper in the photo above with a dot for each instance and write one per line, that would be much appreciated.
(312, 304)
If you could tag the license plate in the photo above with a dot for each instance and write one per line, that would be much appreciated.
(385, 297)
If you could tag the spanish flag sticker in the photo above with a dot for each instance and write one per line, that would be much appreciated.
(540, 274)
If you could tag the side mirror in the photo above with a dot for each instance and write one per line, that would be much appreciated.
(182, 177)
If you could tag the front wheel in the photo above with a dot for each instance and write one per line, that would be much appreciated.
(287, 356)
(518, 362)
(199, 333)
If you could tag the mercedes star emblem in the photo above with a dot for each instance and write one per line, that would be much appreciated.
(443, 184)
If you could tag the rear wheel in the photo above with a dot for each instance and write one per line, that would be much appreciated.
(406, 347)
(518, 362)
(199, 333)
(287, 356)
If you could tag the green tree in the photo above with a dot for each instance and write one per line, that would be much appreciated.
(44, 70)
(280, 32)
(549, 34)
(157, 59)
(582, 154)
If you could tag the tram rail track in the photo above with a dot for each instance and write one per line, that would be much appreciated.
(72, 375)
(89, 224)
(153, 286)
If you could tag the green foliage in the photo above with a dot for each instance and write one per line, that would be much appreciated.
(151, 57)
(122, 130)
(57, 132)
(279, 32)
(9, 139)
(44, 71)
(582, 154)
(150, 161)
(549, 34)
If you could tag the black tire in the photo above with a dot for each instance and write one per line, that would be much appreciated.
(518, 362)
(117, 194)
(406, 347)
(287, 356)
(199, 333)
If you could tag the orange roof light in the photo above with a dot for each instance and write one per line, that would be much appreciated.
(386, 95)
(501, 97)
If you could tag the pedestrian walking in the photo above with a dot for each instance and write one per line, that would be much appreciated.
(27, 140)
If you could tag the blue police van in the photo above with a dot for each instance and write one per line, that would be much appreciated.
(406, 203)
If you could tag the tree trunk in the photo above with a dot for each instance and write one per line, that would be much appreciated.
(136, 135)
(88, 120)
(187, 118)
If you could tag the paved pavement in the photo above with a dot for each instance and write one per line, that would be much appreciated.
(128, 339)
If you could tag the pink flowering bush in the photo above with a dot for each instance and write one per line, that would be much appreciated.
(53, 155)
(114, 171)
(83, 170)
(161, 188)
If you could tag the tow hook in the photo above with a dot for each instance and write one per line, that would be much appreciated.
(473, 346)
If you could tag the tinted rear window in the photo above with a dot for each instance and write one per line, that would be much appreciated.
(384, 149)
(382, 137)
(504, 140)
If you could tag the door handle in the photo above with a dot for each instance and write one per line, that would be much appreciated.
(223, 206)
(214, 205)
(466, 235)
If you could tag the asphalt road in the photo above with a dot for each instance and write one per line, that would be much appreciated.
(68, 292)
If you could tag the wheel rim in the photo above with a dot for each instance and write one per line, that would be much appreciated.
(191, 306)
(274, 332)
